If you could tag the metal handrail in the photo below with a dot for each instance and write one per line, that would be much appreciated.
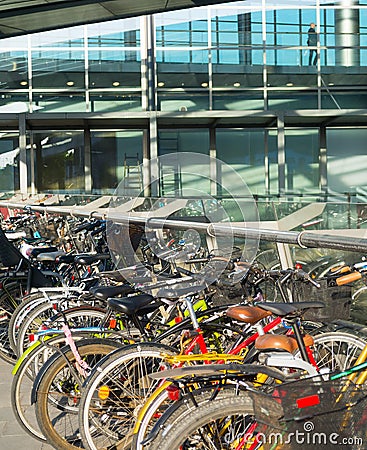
(303, 239)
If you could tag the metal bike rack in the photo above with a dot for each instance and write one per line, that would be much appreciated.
(346, 240)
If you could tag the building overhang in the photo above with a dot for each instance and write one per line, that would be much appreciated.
(177, 120)
(19, 17)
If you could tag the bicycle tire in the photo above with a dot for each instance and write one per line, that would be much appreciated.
(47, 312)
(125, 372)
(20, 313)
(236, 413)
(21, 388)
(162, 404)
(336, 350)
(58, 393)
(10, 297)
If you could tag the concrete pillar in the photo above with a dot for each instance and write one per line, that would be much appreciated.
(347, 34)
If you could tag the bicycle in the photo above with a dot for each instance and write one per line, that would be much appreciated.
(119, 365)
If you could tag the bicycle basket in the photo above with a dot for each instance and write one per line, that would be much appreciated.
(318, 413)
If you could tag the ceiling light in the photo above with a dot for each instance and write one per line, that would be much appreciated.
(331, 84)
(161, 84)
(289, 84)
(23, 83)
(116, 83)
(237, 84)
(70, 83)
(205, 84)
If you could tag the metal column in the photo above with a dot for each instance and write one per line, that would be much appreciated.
(281, 153)
(23, 178)
(347, 34)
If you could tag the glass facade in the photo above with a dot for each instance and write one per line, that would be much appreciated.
(245, 73)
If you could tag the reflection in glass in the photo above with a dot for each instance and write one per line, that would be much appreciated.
(58, 69)
(244, 151)
(302, 160)
(59, 161)
(114, 68)
(60, 102)
(114, 155)
(115, 102)
(13, 70)
(9, 161)
(240, 100)
(181, 102)
(287, 100)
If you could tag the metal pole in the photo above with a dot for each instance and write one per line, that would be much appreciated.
(302, 239)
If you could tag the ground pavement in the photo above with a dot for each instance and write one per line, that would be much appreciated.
(12, 436)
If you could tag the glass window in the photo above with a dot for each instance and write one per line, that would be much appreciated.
(182, 69)
(14, 103)
(238, 77)
(65, 37)
(58, 69)
(115, 102)
(71, 102)
(114, 68)
(9, 161)
(306, 79)
(273, 162)
(116, 33)
(13, 70)
(244, 151)
(292, 100)
(190, 178)
(334, 99)
(346, 170)
(182, 34)
(173, 101)
(59, 161)
(302, 159)
(116, 155)
(237, 101)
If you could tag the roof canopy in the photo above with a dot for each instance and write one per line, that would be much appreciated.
(18, 17)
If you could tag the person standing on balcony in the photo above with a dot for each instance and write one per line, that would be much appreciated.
(312, 43)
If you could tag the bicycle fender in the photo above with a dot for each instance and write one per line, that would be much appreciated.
(24, 356)
(41, 374)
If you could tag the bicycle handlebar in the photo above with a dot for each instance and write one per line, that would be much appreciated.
(345, 279)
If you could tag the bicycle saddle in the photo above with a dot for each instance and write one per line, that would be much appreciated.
(105, 292)
(50, 256)
(285, 309)
(66, 258)
(85, 260)
(130, 305)
(247, 314)
(276, 342)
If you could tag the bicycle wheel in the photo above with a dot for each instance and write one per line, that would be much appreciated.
(336, 351)
(161, 405)
(115, 392)
(10, 297)
(218, 424)
(21, 312)
(78, 316)
(23, 380)
(59, 390)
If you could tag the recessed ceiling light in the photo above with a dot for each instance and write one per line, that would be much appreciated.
(237, 84)
(289, 84)
(23, 83)
(205, 84)
(70, 83)
(161, 84)
(115, 83)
